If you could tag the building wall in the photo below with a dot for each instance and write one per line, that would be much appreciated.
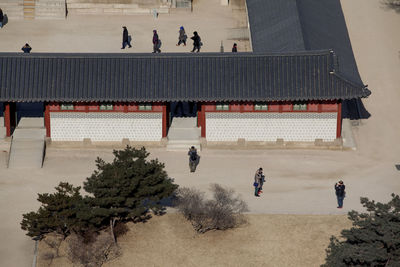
(124, 120)
(319, 120)
(106, 126)
(259, 126)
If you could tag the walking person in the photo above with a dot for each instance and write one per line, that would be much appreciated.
(125, 38)
(193, 159)
(1, 18)
(156, 42)
(340, 193)
(234, 48)
(196, 42)
(182, 37)
(26, 48)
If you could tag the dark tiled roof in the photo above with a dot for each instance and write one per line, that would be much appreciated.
(299, 25)
(173, 77)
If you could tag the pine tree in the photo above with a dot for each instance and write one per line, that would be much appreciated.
(374, 239)
(58, 212)
(127, 188)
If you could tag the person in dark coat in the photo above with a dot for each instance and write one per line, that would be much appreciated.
(340, 193)
(193, 159)
(125, 38)
(234, 48)
(156, 42)
(182, 37)
(26, 48)
(196, 42)
(1, 18)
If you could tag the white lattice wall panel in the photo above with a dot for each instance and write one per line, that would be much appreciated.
(221, 126)
(105, 126)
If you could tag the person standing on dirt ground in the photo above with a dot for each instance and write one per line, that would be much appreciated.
(340, 193)
(156, 42)
(182, 37)
(125, 38)
(196, 42)
(234, 48)
(193, 157)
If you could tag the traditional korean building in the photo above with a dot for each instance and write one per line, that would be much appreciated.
(292, 87)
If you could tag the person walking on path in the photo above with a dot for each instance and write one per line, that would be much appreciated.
(125, 38)
(156, 42)
(193, 159)
(234, 48)
(182, 37)
(26, 48)
(1, 18)
(196, 42)
(340, 193)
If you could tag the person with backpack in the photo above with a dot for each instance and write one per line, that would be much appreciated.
(196, 42)
(156, 42)
(193, 159)
(340, 193)
(182, 37)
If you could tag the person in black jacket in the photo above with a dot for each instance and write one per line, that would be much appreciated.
(26, 48)
(234, 48)
(340, 193)
(1, 18)
(196, 42)
(125, 38)
(156, 42)
(193, 158)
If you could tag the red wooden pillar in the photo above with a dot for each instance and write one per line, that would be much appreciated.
(203, 120)
(7, 118)
(47, 119)
(339, 121)
(164, 120)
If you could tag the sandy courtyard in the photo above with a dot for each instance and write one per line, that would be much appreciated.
(299, 181)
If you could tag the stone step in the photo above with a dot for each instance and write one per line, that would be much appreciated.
(184, 122)
(184, 134)
(182, 145)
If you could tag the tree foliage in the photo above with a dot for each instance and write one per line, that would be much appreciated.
(127, 188)
(222, 212)
(374, 239)
(58, 212)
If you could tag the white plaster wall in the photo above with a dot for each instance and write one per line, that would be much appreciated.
(221, 126)
(105, 126)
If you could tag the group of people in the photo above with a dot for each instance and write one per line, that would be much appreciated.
(182, 37)
(259, 178)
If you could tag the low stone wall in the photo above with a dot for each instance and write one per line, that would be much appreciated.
(242, 144)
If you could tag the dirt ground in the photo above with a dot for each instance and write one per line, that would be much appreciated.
(266, 240)
(299, 181)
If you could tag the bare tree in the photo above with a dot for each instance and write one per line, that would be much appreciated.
(223, 211)
(94, 253)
